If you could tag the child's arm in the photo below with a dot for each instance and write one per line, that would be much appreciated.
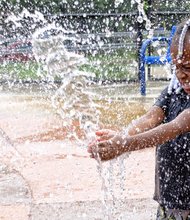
(120, 144)
(151, 119)
(161, 133)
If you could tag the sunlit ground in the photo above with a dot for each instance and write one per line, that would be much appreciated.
(53, 178)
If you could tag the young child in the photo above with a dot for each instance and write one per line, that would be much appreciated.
(167, 126)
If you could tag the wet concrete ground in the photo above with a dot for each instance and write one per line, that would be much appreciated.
(55, 179)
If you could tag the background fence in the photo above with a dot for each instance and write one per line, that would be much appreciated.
(107, 33)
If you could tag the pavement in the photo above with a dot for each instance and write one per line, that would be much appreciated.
(44, 176)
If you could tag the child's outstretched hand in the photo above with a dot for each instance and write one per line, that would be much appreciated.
(105, 134)
(108, 149)
(101, 135)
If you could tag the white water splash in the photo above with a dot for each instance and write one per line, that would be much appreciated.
(143, 17)
(72, 100)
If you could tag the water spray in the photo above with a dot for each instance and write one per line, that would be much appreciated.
(72, 100)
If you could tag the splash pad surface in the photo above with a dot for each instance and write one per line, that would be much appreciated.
(56, 179)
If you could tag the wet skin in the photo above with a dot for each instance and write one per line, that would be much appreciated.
(148, 130)
(182, 64)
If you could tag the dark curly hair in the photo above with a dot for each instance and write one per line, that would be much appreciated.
(179, 36)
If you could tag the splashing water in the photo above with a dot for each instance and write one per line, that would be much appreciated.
(112, 174)
(72, 100)
(143, 17)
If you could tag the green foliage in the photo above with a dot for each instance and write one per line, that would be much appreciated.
(116, 66)
(93, 6)
(146, 6)
(21, 71)
(69, 6)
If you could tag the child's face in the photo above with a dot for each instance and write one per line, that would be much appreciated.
(182, 64)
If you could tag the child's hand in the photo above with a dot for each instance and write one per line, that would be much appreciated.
(108, 149)
(102, 135)
(90, 146)
(105, 134)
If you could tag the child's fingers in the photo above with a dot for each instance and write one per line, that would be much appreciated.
(89, 149)
(92, 143)
(104, 138)
(92, 156)
(90, 146)
(102, 132)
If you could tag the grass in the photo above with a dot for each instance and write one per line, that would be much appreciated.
(114, 66)
(21, 71)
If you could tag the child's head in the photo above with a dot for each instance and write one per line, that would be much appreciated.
(180, 51)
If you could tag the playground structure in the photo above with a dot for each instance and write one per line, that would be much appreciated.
(150, 60)
(20, 50)
(100, 32)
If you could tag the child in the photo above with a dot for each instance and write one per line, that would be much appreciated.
(167, 126)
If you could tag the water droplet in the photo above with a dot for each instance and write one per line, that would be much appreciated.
(140, 19)
(148, 26)
(130, 28)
